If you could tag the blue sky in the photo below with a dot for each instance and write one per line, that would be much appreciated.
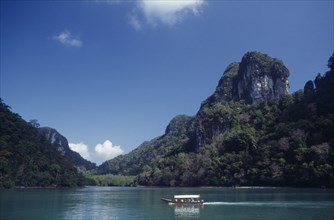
(109, 75)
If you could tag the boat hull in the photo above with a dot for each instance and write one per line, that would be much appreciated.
(166, 200)
(171, 202)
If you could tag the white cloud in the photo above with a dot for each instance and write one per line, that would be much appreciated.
(66, 38)
(167, 12)
(81, 148)
(107, 150)
(100, 154)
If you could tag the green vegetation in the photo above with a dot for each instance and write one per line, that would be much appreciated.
(224, 89)
(60, 143)
(284, 142)
(267, 64)
(178, 133)
(26, 160)
(287, 142)
(110, 180)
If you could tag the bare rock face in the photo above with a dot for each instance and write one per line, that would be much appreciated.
(260, 78)
(60, 143)
(57, 140)
(255, 79)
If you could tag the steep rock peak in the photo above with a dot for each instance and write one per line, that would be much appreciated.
(60, 143)
(55, 138)
(256, 78)
(260, 78)
(223, 92)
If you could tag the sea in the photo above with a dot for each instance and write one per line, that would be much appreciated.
(145, 203)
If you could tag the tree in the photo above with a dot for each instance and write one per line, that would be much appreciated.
(34, 123)
(309, 90)
(28, 160)
(331, 62)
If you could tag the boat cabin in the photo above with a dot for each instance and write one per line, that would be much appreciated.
(184, 200)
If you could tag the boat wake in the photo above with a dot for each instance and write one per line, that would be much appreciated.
(243, 203)
(275, 204)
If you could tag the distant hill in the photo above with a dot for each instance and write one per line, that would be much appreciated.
(60, 143)
(250, 131)
(176, 139)
(27, 159)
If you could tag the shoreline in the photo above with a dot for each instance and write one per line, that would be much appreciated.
(141, 186)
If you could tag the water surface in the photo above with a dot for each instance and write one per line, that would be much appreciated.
(145, 203)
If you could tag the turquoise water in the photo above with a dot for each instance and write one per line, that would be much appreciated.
(145, 203)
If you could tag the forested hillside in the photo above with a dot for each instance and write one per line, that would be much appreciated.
(176, 139)
(60, 143)
(27, 160)
(249, 132)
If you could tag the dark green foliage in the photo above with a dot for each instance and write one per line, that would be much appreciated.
(325, 92)
(267, 64)
(265, 61)
(331, 62)
(285, 142)
(60, 143)
(26, 160)
(178, 137)
(278, 142)
(223, 91)
(110, 180)
(309, 90)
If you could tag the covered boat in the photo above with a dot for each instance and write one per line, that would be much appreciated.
(184, 200)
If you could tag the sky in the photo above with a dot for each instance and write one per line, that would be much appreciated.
(109, 75)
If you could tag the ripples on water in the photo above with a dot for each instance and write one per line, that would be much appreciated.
(277, 204)
(144, 203)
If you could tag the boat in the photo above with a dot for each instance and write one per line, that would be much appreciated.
(184, 200)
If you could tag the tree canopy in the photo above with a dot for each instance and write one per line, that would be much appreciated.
(26, 160)
(285, 142)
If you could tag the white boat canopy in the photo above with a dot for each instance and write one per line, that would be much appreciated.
(186, 196)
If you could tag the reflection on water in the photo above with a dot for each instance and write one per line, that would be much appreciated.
(135, 203)
(187, 211)
(93, 203)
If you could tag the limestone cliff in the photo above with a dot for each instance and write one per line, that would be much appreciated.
(242, 136)
(59, 142)
(255, 79)
(260, 78)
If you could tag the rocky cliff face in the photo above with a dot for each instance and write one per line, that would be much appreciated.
(236, 139)
(178, 137)
(255, 79)
(260, 78)
(59, 142)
